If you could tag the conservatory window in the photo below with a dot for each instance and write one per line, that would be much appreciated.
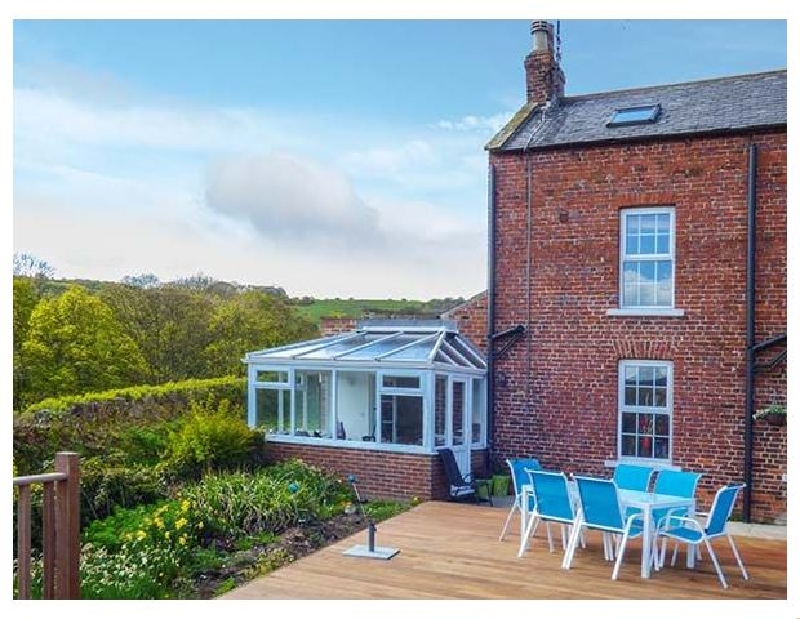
(401, 419)
(401, 409)
(355, 406)
(273, 408)
(440, 410)
(477, 410)
(312, 403)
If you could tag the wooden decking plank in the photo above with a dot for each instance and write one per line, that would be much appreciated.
(451, 551)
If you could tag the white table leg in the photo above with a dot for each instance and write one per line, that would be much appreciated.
(690, 547)
(646, 542)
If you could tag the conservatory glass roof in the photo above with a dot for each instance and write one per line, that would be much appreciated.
(420, 343)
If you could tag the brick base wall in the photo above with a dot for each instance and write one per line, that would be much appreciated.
(380, 474)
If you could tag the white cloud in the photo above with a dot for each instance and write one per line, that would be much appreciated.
(285, 197)
(475, 123)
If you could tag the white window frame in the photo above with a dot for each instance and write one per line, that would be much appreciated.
(282, 421)
(481, 403)
(655, 257)
(422, 392)
(621, 407)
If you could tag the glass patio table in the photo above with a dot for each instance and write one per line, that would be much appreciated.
(647, 502)
(644, 501)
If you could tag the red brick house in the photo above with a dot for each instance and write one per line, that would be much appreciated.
(638, 253)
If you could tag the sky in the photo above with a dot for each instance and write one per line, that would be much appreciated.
(334, 158)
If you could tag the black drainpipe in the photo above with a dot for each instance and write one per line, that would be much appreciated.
(750, 353)
(490, 329)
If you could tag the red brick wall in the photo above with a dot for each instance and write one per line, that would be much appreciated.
(333, 325)
(556, 389)
(471, 319)
(380, 473)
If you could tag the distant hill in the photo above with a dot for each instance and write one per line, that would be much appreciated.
(314, 309)
(308, 307)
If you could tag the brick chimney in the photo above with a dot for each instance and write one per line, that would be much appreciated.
(544, 79)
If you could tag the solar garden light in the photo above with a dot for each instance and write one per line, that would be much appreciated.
(293, 488)
(369, 550)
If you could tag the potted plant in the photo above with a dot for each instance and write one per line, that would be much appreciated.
(775, 414)
(501, 479)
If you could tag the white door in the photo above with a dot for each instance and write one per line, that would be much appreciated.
(459, 425)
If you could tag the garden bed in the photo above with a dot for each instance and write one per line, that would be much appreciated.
(236, 567)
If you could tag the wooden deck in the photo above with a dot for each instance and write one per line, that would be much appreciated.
(451, 551)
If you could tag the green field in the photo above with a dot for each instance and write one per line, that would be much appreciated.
(357, 308)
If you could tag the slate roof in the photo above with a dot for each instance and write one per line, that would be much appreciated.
(724, 104)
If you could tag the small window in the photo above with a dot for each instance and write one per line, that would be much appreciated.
(272, 376)
(645, 410)
(647, 244)
(401, 382)
(640, 115)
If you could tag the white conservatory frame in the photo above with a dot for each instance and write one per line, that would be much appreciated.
(421, 349)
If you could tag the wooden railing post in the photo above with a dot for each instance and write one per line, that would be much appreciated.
(68, 526)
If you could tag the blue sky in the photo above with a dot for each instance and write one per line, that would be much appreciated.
(333, 158)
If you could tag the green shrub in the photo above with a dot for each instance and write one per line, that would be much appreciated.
(145, 444)
(106, 486)
(212, 439)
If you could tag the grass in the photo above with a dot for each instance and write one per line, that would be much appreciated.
(355, 308)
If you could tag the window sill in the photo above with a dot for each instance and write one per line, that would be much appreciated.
(659, 465)
(356, 444)
(667, 312)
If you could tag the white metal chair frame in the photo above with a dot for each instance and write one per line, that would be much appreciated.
(516, 505)
(611, 535)
(534, 518)
(695, 525)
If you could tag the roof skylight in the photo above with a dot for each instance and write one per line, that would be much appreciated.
(638, 115)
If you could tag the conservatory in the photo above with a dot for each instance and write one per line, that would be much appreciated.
(407, 387)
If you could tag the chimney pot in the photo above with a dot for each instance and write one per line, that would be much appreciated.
(539, 30)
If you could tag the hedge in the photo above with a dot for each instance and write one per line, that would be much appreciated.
(194, 389)
(91, 424)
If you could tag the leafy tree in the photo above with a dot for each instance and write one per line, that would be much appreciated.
(75, 344)
(251, 321)
(25, 299)
(31, 266)
(170, 326)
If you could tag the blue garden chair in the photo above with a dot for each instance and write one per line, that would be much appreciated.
(600, 510)
(633, 477)
(553, 504)
(674, 483)
(519, 478)
(690, 531)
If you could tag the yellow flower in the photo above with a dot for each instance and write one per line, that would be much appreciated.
(159, 522)
(182, 540)
(140, 535)
(166, 534)
(185, 505)
(200, 525)
(180, 522)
